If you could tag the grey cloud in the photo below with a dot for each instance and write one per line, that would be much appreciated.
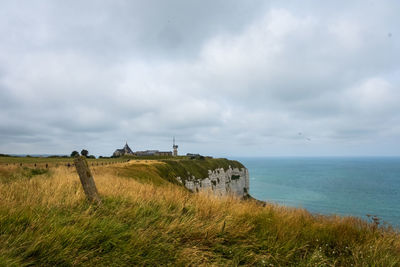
(117, 29)
(235, 77)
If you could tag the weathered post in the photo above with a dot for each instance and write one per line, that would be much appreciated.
(87, 179)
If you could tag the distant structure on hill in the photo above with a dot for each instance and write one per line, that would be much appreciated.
(124, 151)
(127, 151)
(175, 147)
(152, 153)
(195, 156)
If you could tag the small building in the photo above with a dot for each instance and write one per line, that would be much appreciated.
(126, 150)
(152, 153)
(194, 156)
(164, 153)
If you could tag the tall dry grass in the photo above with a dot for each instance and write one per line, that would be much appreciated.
(45, 220)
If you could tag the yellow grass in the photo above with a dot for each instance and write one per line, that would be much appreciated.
(149, 224)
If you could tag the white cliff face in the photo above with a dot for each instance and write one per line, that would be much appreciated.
(221, 182)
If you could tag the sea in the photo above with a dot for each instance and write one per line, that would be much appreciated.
(356, 186)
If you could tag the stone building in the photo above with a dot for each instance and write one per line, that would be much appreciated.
(126, 150)
(152, 153)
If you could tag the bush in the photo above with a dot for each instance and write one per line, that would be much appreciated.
(84, 153)
(74, 153)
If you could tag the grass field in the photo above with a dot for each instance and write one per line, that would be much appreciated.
(146, 220)
(53, 161)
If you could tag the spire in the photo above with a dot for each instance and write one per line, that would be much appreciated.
(175, 147)
(127, 149)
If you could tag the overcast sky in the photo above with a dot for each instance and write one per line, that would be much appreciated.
(227, 78)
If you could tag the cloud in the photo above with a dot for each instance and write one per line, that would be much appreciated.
(235, 78)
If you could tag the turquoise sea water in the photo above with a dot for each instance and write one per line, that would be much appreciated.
(345, 186)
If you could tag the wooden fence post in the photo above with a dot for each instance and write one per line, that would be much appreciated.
(87, 179)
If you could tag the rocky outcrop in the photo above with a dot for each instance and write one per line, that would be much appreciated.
(220, 181)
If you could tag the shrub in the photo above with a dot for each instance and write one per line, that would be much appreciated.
(74, 153)
(84, 152)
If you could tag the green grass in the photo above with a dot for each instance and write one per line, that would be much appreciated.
(18, 173)
(143, 173)
(99, 237)
(199, 168)
(145, 220)
(52, 161)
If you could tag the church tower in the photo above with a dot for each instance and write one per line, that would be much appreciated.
(175, 147)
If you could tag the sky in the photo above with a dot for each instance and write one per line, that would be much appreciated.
(226, 78)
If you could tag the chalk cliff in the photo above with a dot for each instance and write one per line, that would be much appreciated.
(219, 175)
(220, 181)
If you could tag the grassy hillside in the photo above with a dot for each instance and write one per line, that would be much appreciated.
(145, 220)
(188, 167)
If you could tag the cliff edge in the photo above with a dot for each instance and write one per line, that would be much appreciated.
(221, 176)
